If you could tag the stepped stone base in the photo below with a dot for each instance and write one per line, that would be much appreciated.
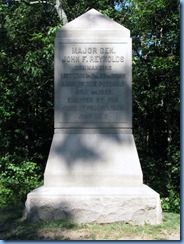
(136, 205)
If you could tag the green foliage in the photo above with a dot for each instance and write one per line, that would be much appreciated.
(74, 8)
(172, 202)
(155, 33)
(17, 178)
(27, 65)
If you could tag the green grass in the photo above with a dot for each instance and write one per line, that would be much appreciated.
(14, 227)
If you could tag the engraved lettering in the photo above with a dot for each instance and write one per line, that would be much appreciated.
(101, 92)
(106, 59)
(70, 59)
(84, 59)
(86, 50)
(92, 67)
(80, 100)
(82, 92)
(107, 50)
(72, 75)
(73, 83)
(94, 82)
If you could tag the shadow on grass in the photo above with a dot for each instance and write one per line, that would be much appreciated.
(13, 226)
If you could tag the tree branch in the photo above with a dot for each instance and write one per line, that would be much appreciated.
(61, 12)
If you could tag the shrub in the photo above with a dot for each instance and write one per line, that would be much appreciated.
(17, 178)
(172, 202)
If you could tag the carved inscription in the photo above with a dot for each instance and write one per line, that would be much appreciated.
(93, 80)
(93, 55)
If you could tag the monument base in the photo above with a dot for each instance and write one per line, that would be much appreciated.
(135, 205)
(93, 158)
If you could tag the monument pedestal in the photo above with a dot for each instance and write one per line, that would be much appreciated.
(94, 177)
(136, 205)
(93, 158)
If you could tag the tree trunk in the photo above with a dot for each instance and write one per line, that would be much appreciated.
(61, 12)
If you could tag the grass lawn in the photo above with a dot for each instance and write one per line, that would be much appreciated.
(14, 227)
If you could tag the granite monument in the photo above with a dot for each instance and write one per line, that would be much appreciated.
(93, 172)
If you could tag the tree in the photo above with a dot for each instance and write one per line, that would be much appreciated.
(27, 80)
(156, 77)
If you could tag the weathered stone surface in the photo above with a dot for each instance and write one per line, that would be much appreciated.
(136, 205)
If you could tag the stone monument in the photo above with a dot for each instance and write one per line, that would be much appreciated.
(93, 173)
